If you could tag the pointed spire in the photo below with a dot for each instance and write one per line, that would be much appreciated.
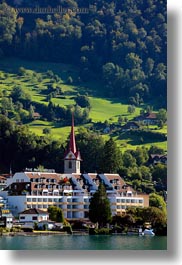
(72, 144)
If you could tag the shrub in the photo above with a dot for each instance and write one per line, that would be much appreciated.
(99, 231)
(68, 229)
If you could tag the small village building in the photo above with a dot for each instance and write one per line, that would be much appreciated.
(6, 218)
(33, 215)
(131, 125)
(3, 182)
(36, 116)
(147, 118)
(155, 159)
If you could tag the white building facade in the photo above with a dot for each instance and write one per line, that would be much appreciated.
(70, 192)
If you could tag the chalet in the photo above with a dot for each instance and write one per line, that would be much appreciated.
(33, 215)
(36, 116)
(131, 125)
(147, 118)
(157, 158)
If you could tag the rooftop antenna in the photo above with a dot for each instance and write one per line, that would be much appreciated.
(10, 170)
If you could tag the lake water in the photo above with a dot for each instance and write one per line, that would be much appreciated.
(83, 242)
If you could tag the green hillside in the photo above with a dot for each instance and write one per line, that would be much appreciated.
(34, 82)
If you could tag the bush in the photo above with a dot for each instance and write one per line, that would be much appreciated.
(46, 131)
(68, 229)
(99, 231)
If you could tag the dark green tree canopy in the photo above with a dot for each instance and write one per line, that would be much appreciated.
(55, 214)
(99, 208)
(121, 42)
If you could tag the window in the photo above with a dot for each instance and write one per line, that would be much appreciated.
(70, 164)
(140, 201)
(34, 218)
(22, 217)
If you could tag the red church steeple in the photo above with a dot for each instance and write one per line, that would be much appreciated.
(72, 157)
(72, 143)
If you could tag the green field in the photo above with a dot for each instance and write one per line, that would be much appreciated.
(35, 82)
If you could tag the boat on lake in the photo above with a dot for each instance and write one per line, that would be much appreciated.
(148, 232)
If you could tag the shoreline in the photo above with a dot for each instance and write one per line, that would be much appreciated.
(42, 233)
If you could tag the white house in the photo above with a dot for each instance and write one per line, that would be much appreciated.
(33, 215)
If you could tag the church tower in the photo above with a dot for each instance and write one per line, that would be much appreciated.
(72, 157)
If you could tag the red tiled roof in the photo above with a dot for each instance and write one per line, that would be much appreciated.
(43, 175)
(2, 178)
(151, 116)
(33, 211)
(36, 115)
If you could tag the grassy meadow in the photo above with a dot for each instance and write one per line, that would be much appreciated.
(35, 83)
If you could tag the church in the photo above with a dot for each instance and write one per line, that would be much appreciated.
(71, 190)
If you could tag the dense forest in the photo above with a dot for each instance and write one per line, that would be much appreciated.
(123, 43)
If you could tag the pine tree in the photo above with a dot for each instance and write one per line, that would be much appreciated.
(112, 160)
(99, 209)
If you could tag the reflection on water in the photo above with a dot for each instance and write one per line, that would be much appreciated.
(83, 242)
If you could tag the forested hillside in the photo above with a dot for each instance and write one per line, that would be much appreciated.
(121, 42)
(104, 60)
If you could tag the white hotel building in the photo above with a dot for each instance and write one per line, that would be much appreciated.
(71, 191)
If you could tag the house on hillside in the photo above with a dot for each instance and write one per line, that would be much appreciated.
(147, 118)
(36, 116)
(131, 125)
(155, 159)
